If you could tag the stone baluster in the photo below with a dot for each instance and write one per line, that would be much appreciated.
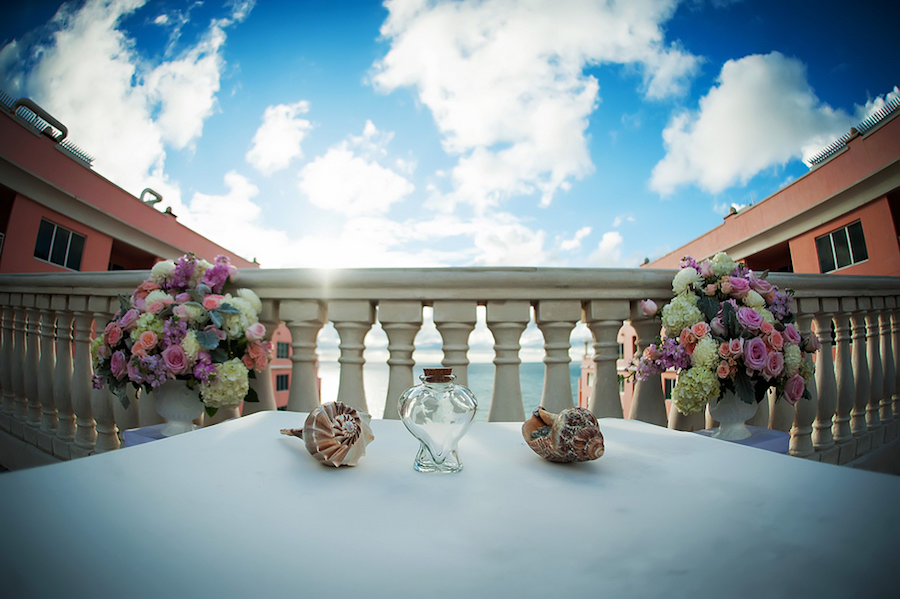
(860, 368)
(304, 319)
(507, 321)
(876, 372)
(7, 407)
(826, 384)
(352, 319)
(262, 383)
(20, 407)
(781, 416)
(556, 319)
(401, 321)
(801, 444)
(843, 358)
(46, 365)
(62, 378)
(895, 331)
(85, 431)
(604, 318)
(886, 413)
(32, 357)
(649, 402)
(455, 321)
(102, 399)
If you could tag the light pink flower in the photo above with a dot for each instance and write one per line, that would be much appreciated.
(118, 365)
(755, 354)
(775, 340)
(212, 301)
(791, 334)
(700, 330)
(147, 340)
(761, 286)
(255, 332)
(774, 365)
(736, 347)
(766, 327)
(723, 370)
(706, 270)
(129, 319)
(794, 388)
(812, 343)
(176, 360)
(710, 289)
(717, 326)
(749, 319)
(113, 334)
(724, 350)
(103, 352)
(739, 286)
(155, 307)
(182, 298)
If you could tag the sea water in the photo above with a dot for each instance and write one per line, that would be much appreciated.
(481, 383)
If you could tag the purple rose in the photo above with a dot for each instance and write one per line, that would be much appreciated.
(791, 334)
(774, 365)
(118, 366)
(761, 286)
(755, 354)
(812, 343)
(129, 318)
(739, 286)
(706, 270)
(649, 308)
(717, 326)
(794, 388)
(749, 319)
(176, 360)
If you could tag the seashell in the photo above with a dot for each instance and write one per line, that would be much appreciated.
(573, 435)
(335, 434)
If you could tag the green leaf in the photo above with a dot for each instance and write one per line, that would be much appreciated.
(709, 306)
(207, 340)
(216, 317)
(729, 320)
(252, 395)
(211, 411)
(219, 355)
(744, 388)
(226, 308)
(124, 304)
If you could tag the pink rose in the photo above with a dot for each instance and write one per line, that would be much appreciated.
(175, 360)
(791, 334)
(248, 361)
(774, 365)
(129, 319)
(755, 354)
(724, 350)
(113, 334)
(255, 332)
(766, 327)
(118, 365)
(103, 352)
(723, 370)
(688, 341)
(794, 388)
(761, 286)
(147, 340)
(812, 343)
(736, 347)
(726, 285)
(700, 330)
(182, 298)
(711, 289)
(155, 307)
(181, 312)
(212, 301)
(718, 327)
(749, 319)
(219, 333)
(775, 340)
(706, 270)
(739, 286)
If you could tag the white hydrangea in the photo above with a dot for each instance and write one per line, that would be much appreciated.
(191, 346)
(684, 279)
(200, 268)
(792, 359)
(157, 295)
(252, 298)
(722, 264)
(766, 315)
(162, 271)
(230, 387)
(694, 389)
(680, 313)
(235, 324)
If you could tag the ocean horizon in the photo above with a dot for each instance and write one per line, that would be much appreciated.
(481, 382)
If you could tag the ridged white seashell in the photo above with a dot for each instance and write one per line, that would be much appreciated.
(573, 435)
(335, 434)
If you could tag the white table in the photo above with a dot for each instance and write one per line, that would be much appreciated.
(238, 510)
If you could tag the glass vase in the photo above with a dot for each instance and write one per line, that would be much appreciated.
(732, 414)
(438, 412)
(179, 405)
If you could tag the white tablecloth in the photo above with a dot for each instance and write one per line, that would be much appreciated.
(238, 510)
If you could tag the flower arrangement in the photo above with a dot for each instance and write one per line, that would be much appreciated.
(727, 329)
(178, 325)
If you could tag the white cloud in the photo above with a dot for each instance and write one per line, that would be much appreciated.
(609, 251)
(504, 82)
(617, 221)
(352, 184)
(278, 140)
(121, 109)
(761, 113)
(569, 245)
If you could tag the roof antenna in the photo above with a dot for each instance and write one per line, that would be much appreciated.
(157, 198)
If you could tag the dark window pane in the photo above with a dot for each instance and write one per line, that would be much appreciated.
(841, 248)
(44, 239)
(857, 242)
(60, 246)
(826, 258)
(283, 350)
(76, 248)
(282, 382)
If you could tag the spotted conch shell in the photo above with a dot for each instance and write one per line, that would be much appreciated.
(573, 435)
(335, 434)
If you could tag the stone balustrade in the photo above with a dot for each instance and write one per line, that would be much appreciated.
(50, 412)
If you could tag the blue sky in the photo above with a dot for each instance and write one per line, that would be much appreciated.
(427, 133)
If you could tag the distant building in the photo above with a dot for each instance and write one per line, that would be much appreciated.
(843, 216)
(58, 215)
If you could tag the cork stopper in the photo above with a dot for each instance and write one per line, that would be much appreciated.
(438, 375)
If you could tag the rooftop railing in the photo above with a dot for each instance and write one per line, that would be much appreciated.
(50, 411)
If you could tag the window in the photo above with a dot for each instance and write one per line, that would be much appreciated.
(621, 351)
(842, 248)
(282, 382)
(670, 384)
(59, 246)
(282, 350)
